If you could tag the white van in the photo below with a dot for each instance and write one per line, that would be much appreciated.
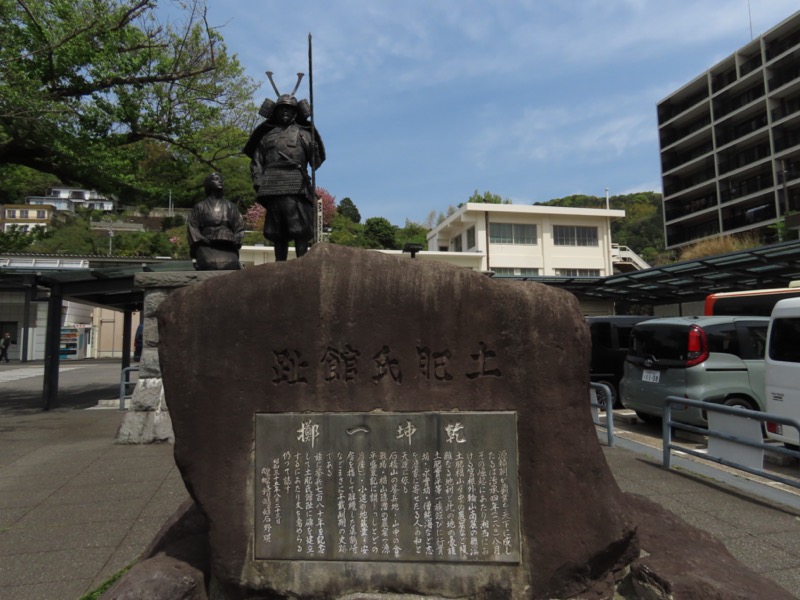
(782, 370)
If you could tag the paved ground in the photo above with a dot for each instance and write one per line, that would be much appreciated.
(75, 508)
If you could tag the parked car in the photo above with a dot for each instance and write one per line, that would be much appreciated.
(610, 335)
(783, 370)
(713, 359)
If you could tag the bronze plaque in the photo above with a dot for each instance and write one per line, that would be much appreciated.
(434, 487)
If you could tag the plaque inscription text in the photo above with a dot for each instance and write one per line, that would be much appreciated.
(387, 487)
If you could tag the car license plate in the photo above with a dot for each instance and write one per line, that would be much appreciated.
(651, 376)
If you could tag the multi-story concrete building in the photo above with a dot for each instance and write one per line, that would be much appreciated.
(730, 142)
(531, 241)
(25, 217)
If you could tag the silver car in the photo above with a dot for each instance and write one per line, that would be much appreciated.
(713, 359)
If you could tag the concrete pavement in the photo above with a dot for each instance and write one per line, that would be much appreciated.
(75, 508)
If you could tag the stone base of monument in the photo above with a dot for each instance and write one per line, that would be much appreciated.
(147, 420)
(677, 561)
(385, 427)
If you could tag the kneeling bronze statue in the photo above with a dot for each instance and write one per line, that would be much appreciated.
(215, 230)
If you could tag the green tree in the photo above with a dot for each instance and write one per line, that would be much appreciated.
(74, 237)
(142, 243)
(380, 233)
(412, 233)
(487, 197)
(347, 208)
(179, 243)
(20, 182)
(172, 222)
(91, 90)
(17, 240)
(346, 232)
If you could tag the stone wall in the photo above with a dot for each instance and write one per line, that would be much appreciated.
(147, 420)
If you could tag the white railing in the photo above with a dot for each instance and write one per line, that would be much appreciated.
(43, 263)
(626, 255)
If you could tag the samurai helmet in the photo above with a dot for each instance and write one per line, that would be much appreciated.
(286, 100)
(302, 107)
(266, 108)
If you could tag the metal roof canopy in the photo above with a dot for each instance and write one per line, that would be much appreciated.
(692, 280)
(687, 281)
(111, 287)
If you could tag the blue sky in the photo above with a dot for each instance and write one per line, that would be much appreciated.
(422, 102)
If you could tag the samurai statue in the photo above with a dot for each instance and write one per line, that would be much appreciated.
(281, 149)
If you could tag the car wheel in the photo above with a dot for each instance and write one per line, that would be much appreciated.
(649, 419)
(601, 395)
(740, 401)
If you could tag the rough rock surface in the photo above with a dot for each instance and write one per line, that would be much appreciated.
(174, 566)
(575, 531)
(581, 537)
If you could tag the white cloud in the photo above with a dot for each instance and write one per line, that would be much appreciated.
(593, 132)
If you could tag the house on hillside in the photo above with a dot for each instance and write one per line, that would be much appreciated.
(25, 217)
(68, 199)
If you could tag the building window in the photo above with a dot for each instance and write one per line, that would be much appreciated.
(458, 245)
(515, 272)
(23, 214)
(471, 238)
(41, 214)
(578, 272)
(573, 235)
(11, 213)
(512, 233)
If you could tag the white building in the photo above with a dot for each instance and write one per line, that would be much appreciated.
(67, 198)
(529, 241)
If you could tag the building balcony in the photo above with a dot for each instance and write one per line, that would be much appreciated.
(681, 208)
(736, 158)
(672, 159)
(725, 106)
(671, 109)
(731, 131)
(739, 188)
(675, 185)
(671, 135)
(689, 232)
(775, 48)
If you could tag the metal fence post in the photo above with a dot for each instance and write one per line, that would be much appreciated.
(666, 435)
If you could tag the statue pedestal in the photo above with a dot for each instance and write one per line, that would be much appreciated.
(147, 420)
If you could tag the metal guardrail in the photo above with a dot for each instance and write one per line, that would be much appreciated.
(123, 383)
(609, 424)
(668, 424)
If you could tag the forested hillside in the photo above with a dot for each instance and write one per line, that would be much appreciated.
(642, 229)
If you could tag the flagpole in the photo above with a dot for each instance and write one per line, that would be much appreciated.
(317, 211)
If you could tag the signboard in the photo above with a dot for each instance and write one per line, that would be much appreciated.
(433, 487)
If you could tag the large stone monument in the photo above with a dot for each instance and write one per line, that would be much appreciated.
(373, 427)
